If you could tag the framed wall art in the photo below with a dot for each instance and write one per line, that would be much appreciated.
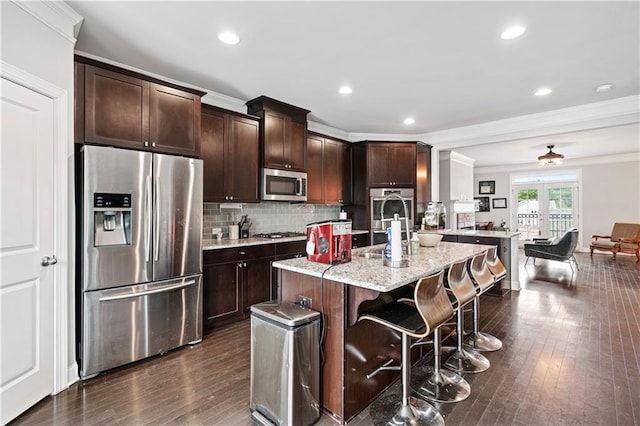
(487, 187)
(499, 203)
(483, 204)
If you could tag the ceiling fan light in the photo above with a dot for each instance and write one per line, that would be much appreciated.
(550, 158)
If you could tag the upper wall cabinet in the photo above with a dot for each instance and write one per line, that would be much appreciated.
(229, 150)
(328, 171)
(283, 133)
(129, 111)
(391, 164)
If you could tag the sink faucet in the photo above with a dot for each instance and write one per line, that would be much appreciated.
(406, 216)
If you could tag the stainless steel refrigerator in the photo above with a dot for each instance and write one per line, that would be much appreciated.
(140, 258)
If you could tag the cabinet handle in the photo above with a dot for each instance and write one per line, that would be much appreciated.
(242, 253)
(244, 264)
(153, 144)
(231, 197)
(146, 143)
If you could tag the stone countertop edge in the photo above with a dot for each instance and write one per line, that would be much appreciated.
(476, 233)
(211, 244)
(371, 274)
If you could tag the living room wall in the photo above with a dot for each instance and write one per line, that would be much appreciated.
(610, 193)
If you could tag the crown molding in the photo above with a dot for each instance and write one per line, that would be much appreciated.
(323, 129)
(57, 15)
(614, 112)
(567, 164)
(224, 101)
(386, 137)
(454, 156)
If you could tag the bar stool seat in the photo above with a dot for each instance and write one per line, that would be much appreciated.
(408, 320)
(436, 309)
(461, 359)
(483, 279)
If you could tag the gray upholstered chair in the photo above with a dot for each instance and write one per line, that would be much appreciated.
(560, 249)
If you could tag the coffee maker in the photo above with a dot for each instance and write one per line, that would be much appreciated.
(329, 241)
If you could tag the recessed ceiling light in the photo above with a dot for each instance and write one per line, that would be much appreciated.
(513, 32)
(409, 120)
(543, 91)
(228, 38)
(345, 90)
(604, 87)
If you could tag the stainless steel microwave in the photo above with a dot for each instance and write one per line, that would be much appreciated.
(283, 185)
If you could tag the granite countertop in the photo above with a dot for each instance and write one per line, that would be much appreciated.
(371, 274)
(211, 244)
(477, 233)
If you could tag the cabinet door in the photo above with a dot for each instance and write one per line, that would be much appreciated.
(274, 137)
(295, 146)
(315, 174)
(403, 165)
(222, 294)
(332, 172)
(344, 160)
(378, 160)
(257, 282)
(116, 109)
(241, 158)
(78, 103)
(174, 121)
(212, 154)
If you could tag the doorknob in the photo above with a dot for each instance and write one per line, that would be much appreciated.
(48, 261)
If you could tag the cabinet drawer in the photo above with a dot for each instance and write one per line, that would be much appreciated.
(479, 240)
(359, 240)
(290, 248)
(238, 253)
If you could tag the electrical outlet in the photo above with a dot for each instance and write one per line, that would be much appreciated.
(305, 302)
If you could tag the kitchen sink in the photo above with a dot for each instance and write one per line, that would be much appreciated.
(371, 254)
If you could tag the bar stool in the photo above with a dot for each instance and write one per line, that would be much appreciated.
(435, 308)
(408, 320)
(495, 265)
(484, 280)
(463, 360)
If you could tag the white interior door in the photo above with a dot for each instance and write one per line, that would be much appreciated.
(26, 237)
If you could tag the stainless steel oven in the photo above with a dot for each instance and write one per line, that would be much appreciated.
(392, 206)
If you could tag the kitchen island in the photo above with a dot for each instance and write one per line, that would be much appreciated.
(342, 292)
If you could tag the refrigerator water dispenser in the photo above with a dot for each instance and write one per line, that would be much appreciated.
(112, 219)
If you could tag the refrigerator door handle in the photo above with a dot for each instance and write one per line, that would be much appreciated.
(129, 295)
(147, 218)
(156, 221)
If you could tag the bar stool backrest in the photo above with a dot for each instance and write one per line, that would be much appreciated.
(480, 271)
(460, 283)
(432, 301)
(495, 265)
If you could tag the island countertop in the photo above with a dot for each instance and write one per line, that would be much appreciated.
(477, 233)
(370, 273)
(213, 244)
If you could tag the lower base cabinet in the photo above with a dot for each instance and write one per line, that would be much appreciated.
(236, 278)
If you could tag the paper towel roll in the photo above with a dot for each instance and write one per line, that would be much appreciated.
(396, 241)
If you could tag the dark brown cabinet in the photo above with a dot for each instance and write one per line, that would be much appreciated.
(328, 171)
(233, 280)
(126, 110)
(391, 164)
(283, 133)
(229, 150)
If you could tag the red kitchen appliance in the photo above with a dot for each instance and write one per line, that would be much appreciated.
(329, 241)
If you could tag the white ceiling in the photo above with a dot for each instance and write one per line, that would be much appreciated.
(442, 63)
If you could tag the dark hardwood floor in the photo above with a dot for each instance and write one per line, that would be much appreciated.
(571, 355)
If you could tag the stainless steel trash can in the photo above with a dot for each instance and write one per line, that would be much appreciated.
(285, 364)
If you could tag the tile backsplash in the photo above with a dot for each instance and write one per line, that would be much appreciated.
(266, 216)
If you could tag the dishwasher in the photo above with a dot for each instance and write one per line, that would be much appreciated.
(285, 364)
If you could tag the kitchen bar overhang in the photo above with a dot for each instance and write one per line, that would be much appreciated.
(352, 349)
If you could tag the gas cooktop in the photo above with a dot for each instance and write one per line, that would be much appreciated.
(275, 235)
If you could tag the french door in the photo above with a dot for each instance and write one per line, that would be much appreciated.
(545, 209)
